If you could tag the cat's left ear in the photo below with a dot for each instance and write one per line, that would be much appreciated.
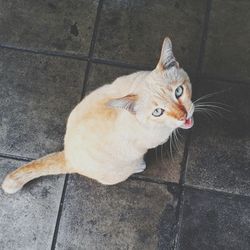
(167, 59)
(127, 102)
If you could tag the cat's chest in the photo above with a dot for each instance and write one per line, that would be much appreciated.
(151, 138)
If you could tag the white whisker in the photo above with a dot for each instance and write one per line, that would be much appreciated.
(209, 95)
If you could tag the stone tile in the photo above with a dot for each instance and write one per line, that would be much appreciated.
(227, 52)
(214, 221)
(36, 97)
(130, 215)
(27, 218)
(219, 153)
(133, 31)
(162, 164)
(101, 74)
(48, 25)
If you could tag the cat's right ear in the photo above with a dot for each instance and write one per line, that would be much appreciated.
(167, 59)
(127, 102)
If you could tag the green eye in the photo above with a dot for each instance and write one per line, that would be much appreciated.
(158, 112)
(179, 92)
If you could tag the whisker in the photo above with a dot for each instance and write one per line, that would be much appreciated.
(210, 112)
(209, 95)
(178, 132)
(212, 107)
(207, 114)
(220, 104)
(215, 104)
(162, 155)
(176, 140)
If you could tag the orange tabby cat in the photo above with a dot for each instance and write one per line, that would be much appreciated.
(112, 128)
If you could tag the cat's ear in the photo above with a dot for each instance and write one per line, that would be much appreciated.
(127, 102)
(167, 59)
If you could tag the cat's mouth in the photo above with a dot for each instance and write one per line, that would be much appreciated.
(188, 123)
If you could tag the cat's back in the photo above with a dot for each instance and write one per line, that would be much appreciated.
(93, 106)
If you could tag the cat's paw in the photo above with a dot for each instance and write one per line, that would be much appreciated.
(141, 167)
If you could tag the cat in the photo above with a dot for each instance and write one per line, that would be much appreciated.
(112, 128)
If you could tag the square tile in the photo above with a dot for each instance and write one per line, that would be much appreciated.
(101, 74)
(28, 218)
(219, 152)
(163, 163)
(227, 51)
(55, 25)
(130, 215)
(37, 94)
(214, 221)
(133, 31)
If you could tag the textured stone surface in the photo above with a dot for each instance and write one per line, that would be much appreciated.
(219, 154)
(104, 74)
(27, 218)
(131, 215)
(37, 94)
(162, 163)
(214, 221)
(133, 31)
(227, 51)
(48, 25)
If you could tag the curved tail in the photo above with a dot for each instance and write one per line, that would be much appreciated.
(51, 164)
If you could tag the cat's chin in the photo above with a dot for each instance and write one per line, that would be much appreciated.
(188, 123)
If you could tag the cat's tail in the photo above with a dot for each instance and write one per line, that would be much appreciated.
(51, 164)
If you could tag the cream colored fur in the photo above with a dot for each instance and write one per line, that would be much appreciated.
(112, 128)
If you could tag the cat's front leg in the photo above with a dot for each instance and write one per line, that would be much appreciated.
(140, 167)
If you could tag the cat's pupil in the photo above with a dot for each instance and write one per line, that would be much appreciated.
(179, 92)
(158, 112)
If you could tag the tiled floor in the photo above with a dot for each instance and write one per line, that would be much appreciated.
(195, 198)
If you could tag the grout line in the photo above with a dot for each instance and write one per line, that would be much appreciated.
(215, 191)
(94, 34)
(121, 64)
(114, 63)
(86, 76)
(179, 208)
(92, 47)
(59, 214)
(15, 157)
(152, 180)
(185, 159)
(46, 52)
(180, 204)
(179, 215)
(204, 37)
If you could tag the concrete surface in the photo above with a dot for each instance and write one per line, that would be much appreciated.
(54, 52)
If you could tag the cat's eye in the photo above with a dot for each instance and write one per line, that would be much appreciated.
(179, 92)
(158, 112)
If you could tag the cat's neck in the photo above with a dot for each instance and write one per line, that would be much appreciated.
(144, 137)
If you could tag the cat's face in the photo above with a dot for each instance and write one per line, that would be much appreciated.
(164, 98)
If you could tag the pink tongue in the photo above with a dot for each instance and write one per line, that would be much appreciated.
(188, 123)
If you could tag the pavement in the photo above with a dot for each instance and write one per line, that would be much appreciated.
(195, 196)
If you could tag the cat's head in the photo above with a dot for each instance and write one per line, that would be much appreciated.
(164, 98)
